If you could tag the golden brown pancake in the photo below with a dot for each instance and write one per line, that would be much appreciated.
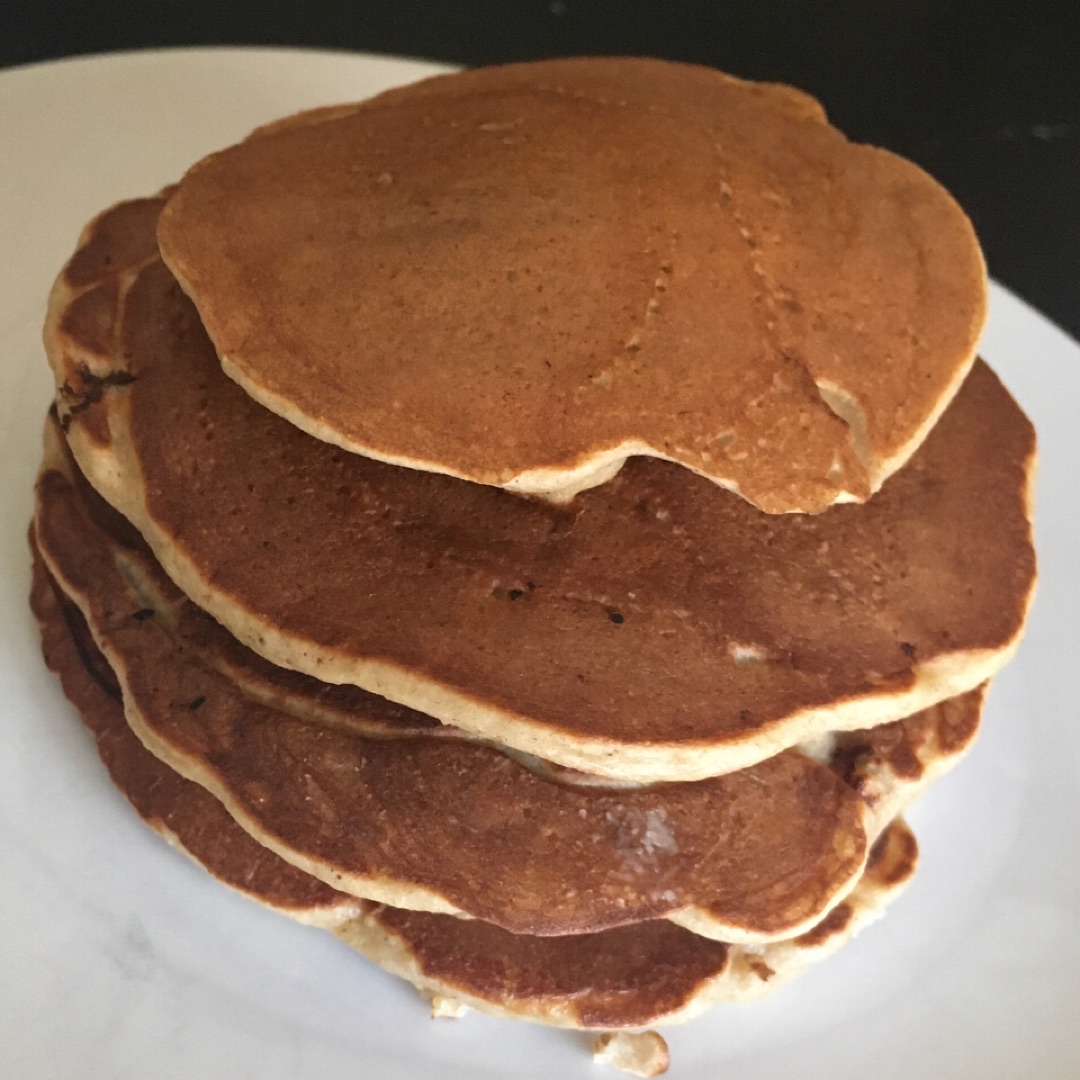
(523, 275)
(656, 629)
(543, 979)
(626, 977)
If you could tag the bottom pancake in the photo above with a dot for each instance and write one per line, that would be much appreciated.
(627, 977)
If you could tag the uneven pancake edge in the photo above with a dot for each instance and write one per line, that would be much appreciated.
(560, 485)
(752, 972)
(948, 675)
(188, 819)
(557, 486)
(885, 794)
(395, 891)
(111, 464)
(382, 935)
(597, 464)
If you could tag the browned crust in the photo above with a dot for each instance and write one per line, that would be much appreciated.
(172, 806)
(520, 275)
(475, 962)
(615, 979)
(658, 960)
(383, 809)
(558, 630)
(768, 848)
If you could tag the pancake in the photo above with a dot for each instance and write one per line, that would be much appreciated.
(383, 809)
(522, 275)
(628, 977)
(451, 824)
(658, 629)
(183, 813)
(542, 979)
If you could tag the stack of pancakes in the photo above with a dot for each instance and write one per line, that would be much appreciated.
(544, 524)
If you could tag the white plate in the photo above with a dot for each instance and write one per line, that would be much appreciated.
(120, 959)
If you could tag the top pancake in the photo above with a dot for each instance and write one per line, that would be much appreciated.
(658, 629)
(523, 275)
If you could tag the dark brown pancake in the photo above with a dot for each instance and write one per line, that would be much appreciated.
(521, 275)
(448, 823)
(656, 629)
(637, 982)
(618, 978)
(179, 810)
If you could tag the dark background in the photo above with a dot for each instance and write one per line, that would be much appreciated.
(985, 96)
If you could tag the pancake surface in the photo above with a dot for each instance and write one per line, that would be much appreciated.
(443, 823)
(182, 812)
(522, 275)
(552, 630)
(622, 978)
(373, 802)
(596, 759)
